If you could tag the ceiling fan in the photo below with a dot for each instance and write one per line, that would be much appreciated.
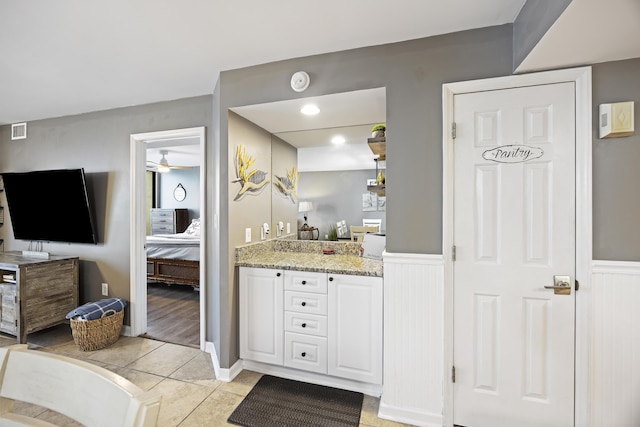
(163, 166)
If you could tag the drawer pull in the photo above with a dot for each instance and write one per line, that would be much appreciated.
(303, 354)
(304, 325)
(304, 282)
(303, 303)
(331, 279)
(278, 274)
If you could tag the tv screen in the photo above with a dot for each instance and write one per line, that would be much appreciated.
(49, 206)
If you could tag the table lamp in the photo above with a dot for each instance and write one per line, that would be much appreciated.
(305, 207)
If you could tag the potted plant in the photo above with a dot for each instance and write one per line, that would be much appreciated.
(378, 131)
(333, 232)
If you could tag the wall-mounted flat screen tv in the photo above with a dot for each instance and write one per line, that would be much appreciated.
(49, 206)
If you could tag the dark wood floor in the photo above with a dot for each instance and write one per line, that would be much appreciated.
(173, 314)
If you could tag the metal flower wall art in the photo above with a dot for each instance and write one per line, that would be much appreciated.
(287, 185)
(252, 181)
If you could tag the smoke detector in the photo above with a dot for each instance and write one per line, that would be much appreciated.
(300, 81)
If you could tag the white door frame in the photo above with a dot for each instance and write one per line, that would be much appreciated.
(138, 265)
(582, 79)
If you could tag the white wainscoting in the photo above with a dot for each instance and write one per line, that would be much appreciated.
(615, 344)
(413, 339)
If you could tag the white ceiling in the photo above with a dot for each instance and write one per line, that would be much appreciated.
(73, 56)
(589, 32)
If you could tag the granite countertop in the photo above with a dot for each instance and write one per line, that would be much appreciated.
(309, 257)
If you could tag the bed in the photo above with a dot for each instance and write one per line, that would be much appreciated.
(175, 258)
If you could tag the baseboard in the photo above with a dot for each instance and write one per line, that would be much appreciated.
(407, 416)
(222, 374)
(126, 331)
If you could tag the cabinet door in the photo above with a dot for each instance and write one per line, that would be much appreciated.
(8, 309)
(355, 327)
(262, 315)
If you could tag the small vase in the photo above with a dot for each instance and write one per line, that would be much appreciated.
(377, 134)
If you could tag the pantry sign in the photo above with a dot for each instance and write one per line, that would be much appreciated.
(513, 153)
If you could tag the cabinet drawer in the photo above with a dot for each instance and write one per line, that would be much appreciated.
(305, 281)
(305, 302)
(302, 323)
(305, 352)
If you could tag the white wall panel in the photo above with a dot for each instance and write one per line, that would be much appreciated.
(413, 339)
(615, 346)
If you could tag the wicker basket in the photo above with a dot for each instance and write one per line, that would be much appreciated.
(95, 334)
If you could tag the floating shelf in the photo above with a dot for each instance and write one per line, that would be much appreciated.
(378, 146)
(380, 190)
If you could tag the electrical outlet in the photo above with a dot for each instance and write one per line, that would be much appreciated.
(105, 289)
(247, 235)
(288, 228)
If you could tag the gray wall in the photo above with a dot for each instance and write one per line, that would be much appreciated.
(533, 21)
(190, 180)
(99, 143)
(336, 196)
(413, 73)
(616, 167)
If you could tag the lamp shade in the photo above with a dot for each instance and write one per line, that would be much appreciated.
(305, 206)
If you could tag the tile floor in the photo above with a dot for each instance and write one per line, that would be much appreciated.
(184, 376)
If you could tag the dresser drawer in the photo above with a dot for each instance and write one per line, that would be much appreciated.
(305, 352)
(302, 323)
(305, 281)
(162, 228)
(162, 213)
(305, 302)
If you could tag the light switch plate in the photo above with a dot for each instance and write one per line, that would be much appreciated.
(247, 235)
(288, 228)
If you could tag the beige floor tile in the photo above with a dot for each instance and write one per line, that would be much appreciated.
(125, 351)
(198, 370)
(179, 399)
(58, 419)
(28, 409)
(143, 380)
(242, 384)
(214, 411)
(165, 360)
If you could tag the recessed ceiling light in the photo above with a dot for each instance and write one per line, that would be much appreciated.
(310, 110)
(338, 139)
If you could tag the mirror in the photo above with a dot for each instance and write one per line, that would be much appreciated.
(332, 176)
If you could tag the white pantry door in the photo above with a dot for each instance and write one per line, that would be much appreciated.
(514, 230)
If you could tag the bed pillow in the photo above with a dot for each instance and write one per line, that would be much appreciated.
(194, 228)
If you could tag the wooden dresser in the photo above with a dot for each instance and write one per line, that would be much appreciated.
(36, 293)
(169, 221)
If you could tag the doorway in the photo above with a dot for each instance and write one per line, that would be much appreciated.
(140, 143)
(484, 369)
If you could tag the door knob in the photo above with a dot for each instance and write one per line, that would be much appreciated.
(561, 285)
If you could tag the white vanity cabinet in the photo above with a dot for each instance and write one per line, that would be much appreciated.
(318, 322)
(261, 315)
(355, 327)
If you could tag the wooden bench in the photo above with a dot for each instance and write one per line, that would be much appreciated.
(88, 394)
